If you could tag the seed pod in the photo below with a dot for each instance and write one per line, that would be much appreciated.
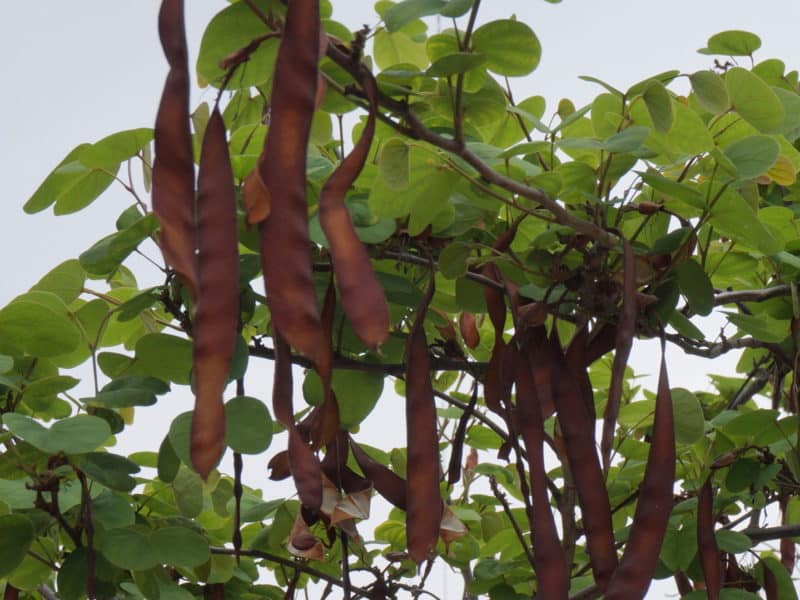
(173, 166)
(626, 328)
(217, 315)
(640, 559)
(362, 296)
(424, 502)
(285, 245)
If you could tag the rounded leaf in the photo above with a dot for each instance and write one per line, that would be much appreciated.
(249, 425)
(16, 536)
(753, 156)
(696, 286)
(39, 323)
(180, 547)
(732, 43)
(128, 548)
(710, 90)
(510, 47)
(754, 100)
(688, 414)
(356, 391)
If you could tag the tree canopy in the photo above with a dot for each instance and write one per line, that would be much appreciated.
(375, 213)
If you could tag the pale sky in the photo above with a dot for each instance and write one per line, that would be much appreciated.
(77, 71)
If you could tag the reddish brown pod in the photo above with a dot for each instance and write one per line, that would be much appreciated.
(173, 166)
(216, 319)
(361, 294)
(285, 245)
(640, 559)
(423, 500)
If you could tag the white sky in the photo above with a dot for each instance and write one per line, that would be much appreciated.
(77, 71)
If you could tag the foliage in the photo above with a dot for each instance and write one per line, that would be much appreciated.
(482, 256)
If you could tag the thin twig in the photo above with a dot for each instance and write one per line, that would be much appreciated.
(498, 493)
(442, 363)
(292, 564)
(458, 113)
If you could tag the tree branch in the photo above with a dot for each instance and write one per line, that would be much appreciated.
(752, 295)
(763, 534)
(714, 350)
(441, 363)
(292, 564)
(417, 130)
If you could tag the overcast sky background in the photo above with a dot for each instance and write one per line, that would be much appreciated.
(75, 72)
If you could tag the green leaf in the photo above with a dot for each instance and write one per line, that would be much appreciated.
(688, 415)
(168, 461)
(401, 14)
(104, 256)
(39, 324)
(732, 541)
(40, 393)
(785, 586)
(754, 100)
(393, 48)
(696, 286)
(16, 536)
(110, 470)
(453, 64)
(753, 156)
(684, 326)
(732, 43)
(188, 489)
(710, 90)
(356, 391)
(128, 548)
(109, 152)
(164, 357)
(180, 435)
(6, 363)
(734, 217)
(74, 435)
(32, 572)
(762, 327)
(629, 139)
(15, 494)
(180, 547)
(453, 260)
(112, 510)
(249, 425)
(71, 577)
(57, 182)
(394, 164)
(510, 47)
(674, 189)
(65, 281)
(659, 105)
(232, 28)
